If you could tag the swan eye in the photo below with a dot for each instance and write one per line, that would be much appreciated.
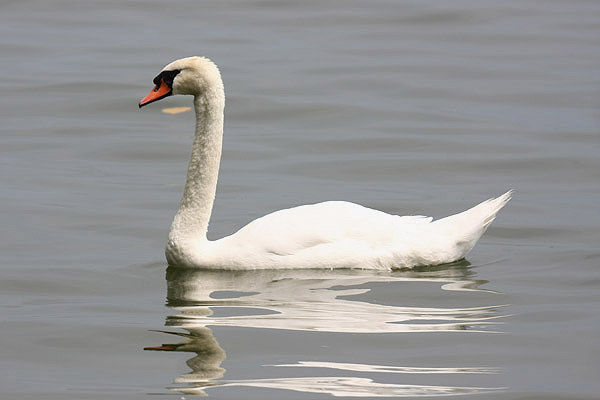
(167, 77)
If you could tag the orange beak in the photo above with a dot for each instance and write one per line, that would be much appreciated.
(160, 91)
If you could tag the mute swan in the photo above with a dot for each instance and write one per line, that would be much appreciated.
(333, 234)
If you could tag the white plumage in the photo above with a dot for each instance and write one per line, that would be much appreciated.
(334, 234)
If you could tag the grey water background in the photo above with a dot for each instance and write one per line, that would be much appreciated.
(410, 107)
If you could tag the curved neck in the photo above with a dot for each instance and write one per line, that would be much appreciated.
(191, 221)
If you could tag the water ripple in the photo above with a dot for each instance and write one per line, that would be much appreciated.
(321, 301)
(349, 387)
(313, 301)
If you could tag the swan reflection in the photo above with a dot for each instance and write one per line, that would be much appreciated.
(350, 387)
(313, 300)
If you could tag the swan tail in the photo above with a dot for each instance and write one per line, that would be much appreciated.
(465, 229)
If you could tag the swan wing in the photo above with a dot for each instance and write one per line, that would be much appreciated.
(332, 233)
(290, 230)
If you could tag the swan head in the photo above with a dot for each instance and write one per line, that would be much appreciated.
(190, 75)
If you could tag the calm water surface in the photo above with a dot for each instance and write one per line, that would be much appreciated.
(407, 106)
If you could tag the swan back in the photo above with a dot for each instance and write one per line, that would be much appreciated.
(340, 234)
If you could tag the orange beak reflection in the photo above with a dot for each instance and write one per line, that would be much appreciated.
(160, 91)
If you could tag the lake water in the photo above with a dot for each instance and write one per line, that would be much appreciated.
(406, 106)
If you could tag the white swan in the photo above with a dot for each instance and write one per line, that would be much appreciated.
(333, 234)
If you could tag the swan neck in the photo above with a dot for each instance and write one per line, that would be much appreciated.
(191, 221)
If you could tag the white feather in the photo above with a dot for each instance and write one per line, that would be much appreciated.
(334, 234)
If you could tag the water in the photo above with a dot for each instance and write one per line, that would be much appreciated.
(409, 107)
